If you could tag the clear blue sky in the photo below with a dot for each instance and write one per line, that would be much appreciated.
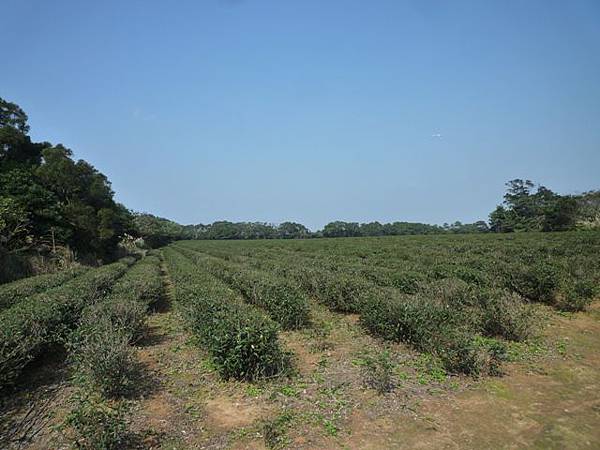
(313, 110)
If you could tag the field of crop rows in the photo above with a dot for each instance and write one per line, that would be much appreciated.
(247, 308)
(459, 299)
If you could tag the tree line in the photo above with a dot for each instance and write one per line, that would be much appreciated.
(525, 208)
(158, 231)
(50, 201)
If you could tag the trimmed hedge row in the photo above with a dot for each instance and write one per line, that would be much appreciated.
(569, 286)
(465, 291)
(285, 302)
(449, 317)
(19, 290)
(242, 341)
(566, 277)
(101, 345)
(44, 319)
(339, 291)
(430, 325)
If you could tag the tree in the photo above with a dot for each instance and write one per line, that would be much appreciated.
(588, 209)
(12, 116)
(156, 231)
(292, 230)
(561, 215)
(14, 222)
(65, 202)
(341, 229)
(372, 229)
(526, 210)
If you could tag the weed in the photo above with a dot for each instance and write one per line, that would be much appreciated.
(274, 431)
(378, 372)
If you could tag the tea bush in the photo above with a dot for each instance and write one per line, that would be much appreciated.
(242, 340)
(98, 424)
(429, 325)
(100, 346)
(534, 280)
(44, 319)
(19, 290)
(452, 296)
(104, 360)
(283, 301)
(506, 314)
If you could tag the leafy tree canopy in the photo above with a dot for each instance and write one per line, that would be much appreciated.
(48, 199)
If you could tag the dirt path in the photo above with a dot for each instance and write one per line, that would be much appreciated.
(553, 405)
(159, 411)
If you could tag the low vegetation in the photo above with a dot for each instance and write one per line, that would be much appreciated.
(39, 322)
(460, 300)
(458, 305)
(101, 344)
(242, 340)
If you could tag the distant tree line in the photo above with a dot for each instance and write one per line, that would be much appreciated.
(525, 208)
(158, 231)
(354, 229)
(50, 201)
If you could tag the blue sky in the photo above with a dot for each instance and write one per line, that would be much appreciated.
(313, 110)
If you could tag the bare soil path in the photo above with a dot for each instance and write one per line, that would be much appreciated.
(551, 405)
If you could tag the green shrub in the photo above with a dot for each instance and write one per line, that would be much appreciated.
(464, 352)
(100, 347)
(45, 319)
(408, 282)
(104, 360)
(242, 341)
(142, 282)
(243, 344)
(575, 295)
(537, 280)
(430, 326)
(453, 292)
(464, 291)
(506, 314)
(339, 291)
(98, 424)
(378, 372)
(125, 315)
(16, 291)
(284, 302)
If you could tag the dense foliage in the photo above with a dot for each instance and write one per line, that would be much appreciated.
(523, 210)
(47, 199)
(19, 290)
(101, 344)
(528, 209)
(284, 302)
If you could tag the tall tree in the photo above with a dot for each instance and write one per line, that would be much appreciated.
(51, 196)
